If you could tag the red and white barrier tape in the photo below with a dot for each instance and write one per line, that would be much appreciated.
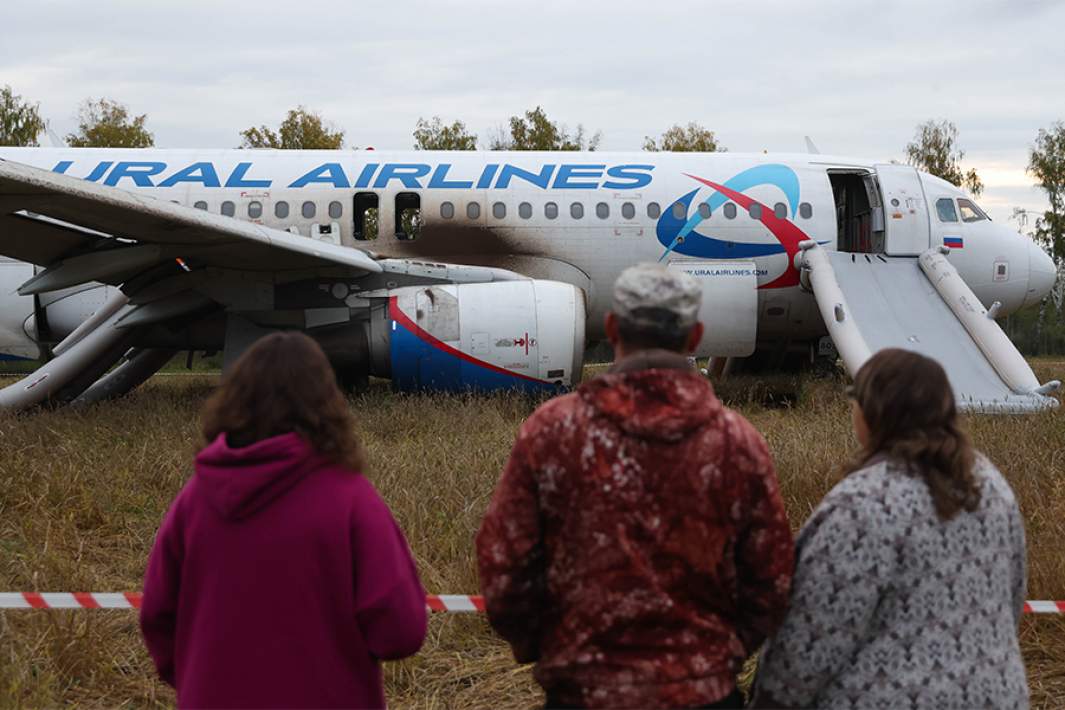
(453, 603)
(132, 600)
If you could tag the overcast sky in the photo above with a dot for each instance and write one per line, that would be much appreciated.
(856, 76)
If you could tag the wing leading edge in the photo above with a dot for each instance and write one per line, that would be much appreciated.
(47, 217)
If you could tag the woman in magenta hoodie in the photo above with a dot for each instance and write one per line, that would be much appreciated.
(279, 577)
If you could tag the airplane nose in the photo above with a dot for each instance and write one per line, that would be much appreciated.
(1041, 274)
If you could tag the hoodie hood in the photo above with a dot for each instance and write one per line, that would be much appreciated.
(240, 482)
(653, 395)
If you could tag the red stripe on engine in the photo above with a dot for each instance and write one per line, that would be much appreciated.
(404, 320)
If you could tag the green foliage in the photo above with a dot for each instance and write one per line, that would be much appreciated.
(434, 135)
(536, 132)
(934, 151)
(20, 121)
(692, 138)
(1036, 330)
(301, 130)
(1046, 163)
(108, 124)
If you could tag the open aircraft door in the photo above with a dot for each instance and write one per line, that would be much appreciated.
(905, 210)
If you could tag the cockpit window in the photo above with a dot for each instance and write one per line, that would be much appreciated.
(945, 210)
(969, 211)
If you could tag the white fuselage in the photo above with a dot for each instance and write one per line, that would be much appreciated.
(574, 217)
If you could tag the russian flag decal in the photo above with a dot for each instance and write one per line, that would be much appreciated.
(953, 242)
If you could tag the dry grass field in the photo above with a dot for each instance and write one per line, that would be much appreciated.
(82, 492)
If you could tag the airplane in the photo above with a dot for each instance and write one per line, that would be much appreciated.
(459, 270)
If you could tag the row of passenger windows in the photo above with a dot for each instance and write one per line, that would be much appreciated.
(308, 209)
(628, 210)
(968, 209)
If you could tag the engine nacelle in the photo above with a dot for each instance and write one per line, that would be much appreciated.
(526, 335)
(17, 321)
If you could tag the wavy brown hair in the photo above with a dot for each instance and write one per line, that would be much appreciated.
(909, 407)
(282, 384)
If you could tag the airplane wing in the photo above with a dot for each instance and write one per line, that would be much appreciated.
(46, 218)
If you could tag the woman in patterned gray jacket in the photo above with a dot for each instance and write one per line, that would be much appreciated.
(910, 575)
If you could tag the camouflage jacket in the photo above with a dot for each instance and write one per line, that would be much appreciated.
(636, 546)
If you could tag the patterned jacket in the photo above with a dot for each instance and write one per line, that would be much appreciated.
(893, 608)
(636, 546)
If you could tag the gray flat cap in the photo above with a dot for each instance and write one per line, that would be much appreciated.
(657, 288)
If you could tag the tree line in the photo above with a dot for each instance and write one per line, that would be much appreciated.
(934, 149)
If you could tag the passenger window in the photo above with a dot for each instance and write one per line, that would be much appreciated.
(551, 210)
(228, 208)
(525, 210)
(335, 210)
(447, 210)
(653, 210)
(408, 216)
(806, 210)
(678, 211)
(730, 210)
(473, 210)
(945, 210)
(602, 210)
(281, 209)
(780, 210)
(366, 216)
(201, 205)
(309, 210)
(755, 210)
(704, 210)
(499, 210)
(628, 210)
(970, 212)
(255, 209)
(576, 210)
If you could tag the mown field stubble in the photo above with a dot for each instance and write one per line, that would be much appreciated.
(82, 492)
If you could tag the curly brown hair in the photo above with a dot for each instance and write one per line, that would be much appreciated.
(283, 383)
(909, 407)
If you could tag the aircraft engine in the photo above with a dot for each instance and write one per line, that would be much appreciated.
(526, 335)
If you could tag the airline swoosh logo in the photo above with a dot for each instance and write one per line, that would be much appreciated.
(678, 234)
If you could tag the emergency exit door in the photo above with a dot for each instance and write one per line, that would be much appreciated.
(906, 226)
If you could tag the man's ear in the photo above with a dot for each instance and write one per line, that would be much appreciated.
(694, 336)
(611, 326)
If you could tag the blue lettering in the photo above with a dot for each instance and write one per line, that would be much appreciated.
(236, 178)
(203, 173)
(62, 166)
(439, 178)
(566, 174)
(485, 181)
(541, 179)
(99, 170)
(406, 173)
(633, 173)
(328, 173)
(363, 181)
(138, 171)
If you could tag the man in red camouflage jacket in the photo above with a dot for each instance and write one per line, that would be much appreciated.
(636, 547)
